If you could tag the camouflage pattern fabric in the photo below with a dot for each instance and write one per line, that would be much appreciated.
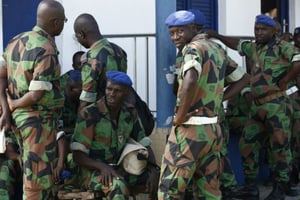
(70, 109)
(32, 62)
(192, 153)
(10, 172)
(97, 136)
(227, 177)
(270, 122)
(295, 138)
(237, 114)
(102, 56)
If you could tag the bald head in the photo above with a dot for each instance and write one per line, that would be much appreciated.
(86, 23)
(47, 11)
(86, 30)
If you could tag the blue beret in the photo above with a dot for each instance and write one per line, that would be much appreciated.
(180, 18)
(297, 30)
(75, 75)
(199, 16)
(119, 78)
(265, 20)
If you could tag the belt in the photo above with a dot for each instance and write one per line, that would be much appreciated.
(197, 120)
(270, 97)
(291, 90)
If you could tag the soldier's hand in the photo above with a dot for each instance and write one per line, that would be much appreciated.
(107, 175)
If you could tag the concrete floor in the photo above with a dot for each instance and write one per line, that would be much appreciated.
(265, 190)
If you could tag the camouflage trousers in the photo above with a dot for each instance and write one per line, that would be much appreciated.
(192, 154)
(10, 177)
(268, 124)
(227, 177)
(37, 140)
(295, 138)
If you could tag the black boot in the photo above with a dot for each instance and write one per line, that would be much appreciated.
(278, 192)
(229, 193)
(247, 192)
(292, 189)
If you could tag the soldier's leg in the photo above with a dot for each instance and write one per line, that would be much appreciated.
(39, 150)
(191, 148)
(295, 139)
(251, 141)
(10, 174)
(279, 129)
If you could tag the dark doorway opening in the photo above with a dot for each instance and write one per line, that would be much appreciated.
(278, 10)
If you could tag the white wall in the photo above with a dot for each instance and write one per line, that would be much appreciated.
(116, 17)
(113, 17)
(294, 14)
(236, 18)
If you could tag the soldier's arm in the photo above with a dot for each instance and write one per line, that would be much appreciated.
(236, 87)
(5, 116)
(231, 42)
(290, 75)
(29, 99)
(187, 93)
(107, 172)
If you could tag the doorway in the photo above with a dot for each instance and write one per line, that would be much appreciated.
(278, 10)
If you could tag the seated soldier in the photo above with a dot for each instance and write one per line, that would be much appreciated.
(102, 130)
(71, 84)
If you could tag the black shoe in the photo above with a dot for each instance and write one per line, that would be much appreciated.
(247, 192)
(229, 193)
(278, 192)
(292, 190)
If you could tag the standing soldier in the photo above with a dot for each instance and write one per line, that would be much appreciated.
(102, 56)
(35, 98)
(192, 153)
(275, 64)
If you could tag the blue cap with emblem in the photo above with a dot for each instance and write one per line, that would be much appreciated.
(265, 20)
(297, 30)
(119, 78)
(180, 18)
(199, 16)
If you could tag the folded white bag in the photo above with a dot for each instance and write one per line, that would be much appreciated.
(129, 158)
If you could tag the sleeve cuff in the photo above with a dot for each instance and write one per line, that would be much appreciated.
(76, 146)
(2, 62)
(192, 64)
(59, 135)
(243, 91)
(40, 85)
(236, 75)
(296, 58)
(88, 96)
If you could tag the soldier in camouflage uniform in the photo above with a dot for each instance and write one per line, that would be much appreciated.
(35, 98)
(10, 171)
(275, 64)
(102, 56)
(101, 132)
(192, 153)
